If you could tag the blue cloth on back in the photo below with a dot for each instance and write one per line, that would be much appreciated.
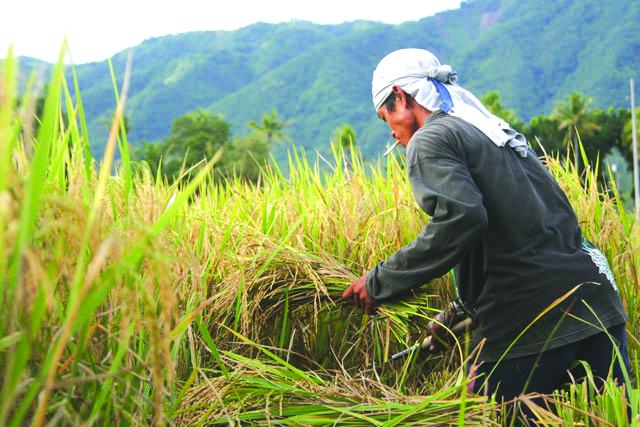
(447, 102)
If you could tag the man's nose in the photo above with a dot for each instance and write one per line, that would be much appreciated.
(393, 135)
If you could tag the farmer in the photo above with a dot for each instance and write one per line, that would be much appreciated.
(502, 223)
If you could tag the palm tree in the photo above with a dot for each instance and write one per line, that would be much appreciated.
(271, 127)
(574, 115)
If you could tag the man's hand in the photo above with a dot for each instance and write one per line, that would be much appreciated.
(457, 323)
(440, 338)
(356, 293)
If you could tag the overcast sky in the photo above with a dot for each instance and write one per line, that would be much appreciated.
(97, 30)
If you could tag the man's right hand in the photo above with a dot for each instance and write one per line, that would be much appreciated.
(356, 293)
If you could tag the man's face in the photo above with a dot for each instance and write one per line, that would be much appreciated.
(402, 121)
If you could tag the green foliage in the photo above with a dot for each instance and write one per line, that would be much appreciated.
(345, 136)
(245, 158)
(544, 130)
(271, 128)
(194, 138)
(605, 137)
(199, 135)
(199, 132)
(152, 153)
(607, 134)
(627, 132)
(494, 104)
(574, 116)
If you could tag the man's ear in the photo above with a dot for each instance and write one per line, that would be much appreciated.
(400, 95)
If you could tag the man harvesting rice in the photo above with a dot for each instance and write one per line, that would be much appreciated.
(506, 228)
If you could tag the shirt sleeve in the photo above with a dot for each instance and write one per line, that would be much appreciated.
(444, 189)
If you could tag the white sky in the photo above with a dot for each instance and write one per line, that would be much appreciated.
(97, 30)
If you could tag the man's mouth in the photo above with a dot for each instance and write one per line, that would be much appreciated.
(390, 149)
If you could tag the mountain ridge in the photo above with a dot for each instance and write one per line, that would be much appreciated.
(319, 76)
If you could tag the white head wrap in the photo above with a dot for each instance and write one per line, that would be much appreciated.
(417, 72)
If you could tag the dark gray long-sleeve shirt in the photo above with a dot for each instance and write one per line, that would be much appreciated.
(505, 226)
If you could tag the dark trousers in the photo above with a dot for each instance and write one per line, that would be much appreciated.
(549, 371)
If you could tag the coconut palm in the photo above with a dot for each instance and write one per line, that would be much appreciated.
(271, 127)
(574, 116)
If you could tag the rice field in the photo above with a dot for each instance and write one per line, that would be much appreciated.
(131, 301)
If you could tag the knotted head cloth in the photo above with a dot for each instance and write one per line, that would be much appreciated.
(433, 85)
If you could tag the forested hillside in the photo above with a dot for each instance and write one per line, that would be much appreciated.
(318, 76)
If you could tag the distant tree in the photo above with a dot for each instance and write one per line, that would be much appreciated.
(271, 127)
(345, 135)
(244, 158)
(199, 135)
(494, 104)
(194, 136)
(573, 114)
(597, 144)
(627, 132)
(152, 153)
(545, 130)
(600, 142)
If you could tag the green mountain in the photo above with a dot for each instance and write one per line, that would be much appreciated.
(318, 76)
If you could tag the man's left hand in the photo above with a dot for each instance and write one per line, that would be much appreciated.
(356, 293)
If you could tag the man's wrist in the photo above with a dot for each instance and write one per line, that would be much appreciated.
(369, 284)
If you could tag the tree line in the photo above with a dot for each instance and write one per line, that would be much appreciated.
(198, 135)
(605, 136)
